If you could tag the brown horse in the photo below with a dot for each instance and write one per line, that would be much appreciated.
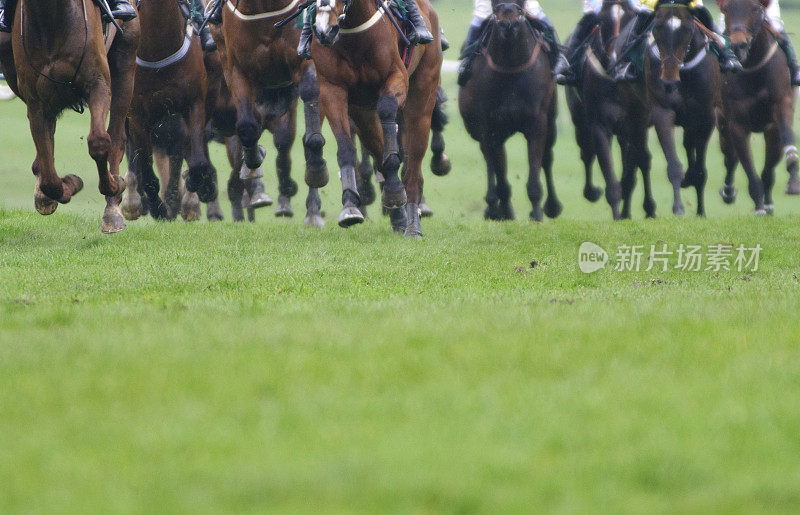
(170, 82)
(265, 77)
(683, 79)
(758, 99)
(363, 75)
(512, 90)
(60, 60)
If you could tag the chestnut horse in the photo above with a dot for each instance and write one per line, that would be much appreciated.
(60, 60)
(265, 77)
(512, 90)
(362, 75)
(170, 81)
(683, 80)
(757, 99)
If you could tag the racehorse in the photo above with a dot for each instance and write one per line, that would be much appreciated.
(683, 79)
(758, 99)
(512, 90)
(170, 82)
(265, 77)
(60, 60)
(362, 74)
(597, 111)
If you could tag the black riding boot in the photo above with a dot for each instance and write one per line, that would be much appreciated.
(574, 50)
(215, 15)
(420, 35)
(471, 49)
(7, 8)
(791, 57)
(195, 12)
(558, 63)
(122, 10)
(625, 69)
(727, 59)
(304, 47)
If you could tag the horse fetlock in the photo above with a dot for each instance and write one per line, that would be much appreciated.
(99, 144)
(287, 186)
(254, 155)
(413, 227)
(314, 142)
(248, 132)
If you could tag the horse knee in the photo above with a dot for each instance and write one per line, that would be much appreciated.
(99, 144)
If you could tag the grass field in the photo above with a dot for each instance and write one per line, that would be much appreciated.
(221, 367)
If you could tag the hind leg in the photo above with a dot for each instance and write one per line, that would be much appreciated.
(283, 138)
(784, 114)
(771, 159)
(440, 162)
(131, 205)
(148, 182)
(235, 184)
(50, 188)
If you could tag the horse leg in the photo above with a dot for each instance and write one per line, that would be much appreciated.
(416, 116)
(536, 142)
(728, 190)
(494, 153)
(199, 179)
(50, 189)
(143, 147)
(248, 121)
(628, 179)
(700, 137)
(601, 139)
(213, 210)
(235, 183)
(168, 168)
(365, 172)
(334, 102)
(368, 128)
(283, 138)
(644, 165)
(394, 192)
(740, 138)
(131, 205)
(440, 162)
(664, 121)
(783, 112)
(552, 206)
(771, 159)
(313, 142)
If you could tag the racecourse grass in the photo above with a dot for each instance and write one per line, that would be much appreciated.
(182, 367)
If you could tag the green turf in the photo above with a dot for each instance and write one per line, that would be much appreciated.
(221, 367)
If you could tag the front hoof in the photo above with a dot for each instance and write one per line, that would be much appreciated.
(553, 208)
(678, 210)
(769, 208)
(214, 212)
(284, 208)
(793, 187)
(260, 199)
(728, 194)
(536, 214)
(44, 204)
(592, 193)
(441, 166)
(350, 215)
(425, 210)
(131, 205)
(394, 199)
(314, 220)
(75, 184)
(317, 176)
(190, 207)
(760, 211)
(112, 219)
(413, 227)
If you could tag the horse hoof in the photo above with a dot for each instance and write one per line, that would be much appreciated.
(284, 208)
(76, 183)
(317, 177)
(536, 214)
(314, 220)
(728, 194)
(112, 220)
(678, 210)
(44, 204)
(769, 208)
(441, 166)
(760, 212)
(793, 188)
(593, 193)
(260, 199)
(214, 212)
(190, 207)
(131, 205)
(413, 228)
(250, 173)
(350, 215)
(394, 199)
(553, 208)
(425, 210)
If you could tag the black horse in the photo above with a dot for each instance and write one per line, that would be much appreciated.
(511, 91)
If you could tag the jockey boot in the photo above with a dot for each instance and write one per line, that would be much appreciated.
(7, 8)
(206, 40)
(558, 63)
(215, 12)
(727, 59)
(122, 10)
(791, 57)
(626, 68)
(574, 50)
(419, 35)
(304, 47)
(197, 11)
(471, 49)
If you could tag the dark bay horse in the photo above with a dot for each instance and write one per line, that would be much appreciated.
(758, 99)
(170, 82)
(60, 60)
(511, 91)
(683, 80)
(265, 77)
(363, 75)
(600, 110)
